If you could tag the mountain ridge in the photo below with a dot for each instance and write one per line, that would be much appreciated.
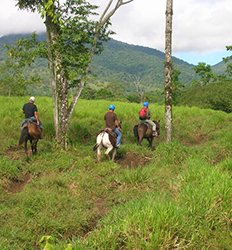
(121, 62)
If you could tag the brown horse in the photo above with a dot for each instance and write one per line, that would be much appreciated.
(30, 132)
(144, 130)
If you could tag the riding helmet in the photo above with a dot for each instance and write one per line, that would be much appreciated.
(111, 107)
(145, 104)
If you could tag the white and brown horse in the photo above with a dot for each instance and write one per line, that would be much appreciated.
(106, 139)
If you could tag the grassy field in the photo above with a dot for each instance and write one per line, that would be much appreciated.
(177, 196)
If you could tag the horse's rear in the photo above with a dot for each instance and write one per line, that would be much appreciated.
(107, 140)
(144, 130)
(32, 132)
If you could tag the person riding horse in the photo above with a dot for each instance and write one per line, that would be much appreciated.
(112, 122)
(145, 117)
(31, 127)
(30, 111)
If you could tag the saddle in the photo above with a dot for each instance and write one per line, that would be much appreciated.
(145, 123)
(110, 132)
(154, 133)
(112, 135)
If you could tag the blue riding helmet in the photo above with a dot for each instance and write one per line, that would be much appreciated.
(111, 107)
(145, 104)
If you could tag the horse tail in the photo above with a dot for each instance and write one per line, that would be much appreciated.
(135, 129)
(95, 146)
(99, 140)
(23, 135)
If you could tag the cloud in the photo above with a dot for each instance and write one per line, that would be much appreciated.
(199, 26)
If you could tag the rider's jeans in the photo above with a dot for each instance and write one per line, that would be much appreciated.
(119, 136)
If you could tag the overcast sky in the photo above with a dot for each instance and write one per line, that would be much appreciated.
(201, 28)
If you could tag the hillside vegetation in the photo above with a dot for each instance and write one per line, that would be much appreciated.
(177, 196)
(217, 96)
(119, 63)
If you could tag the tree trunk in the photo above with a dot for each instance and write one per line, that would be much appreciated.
(59, 84)
(168, 71)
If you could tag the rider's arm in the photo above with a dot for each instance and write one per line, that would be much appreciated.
(117, 124)
(36, 117)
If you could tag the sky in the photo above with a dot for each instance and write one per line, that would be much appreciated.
(201, 28)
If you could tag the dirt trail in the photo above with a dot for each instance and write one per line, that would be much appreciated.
(17, 184)
(133, 160)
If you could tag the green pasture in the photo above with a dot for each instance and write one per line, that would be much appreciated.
(177, 196)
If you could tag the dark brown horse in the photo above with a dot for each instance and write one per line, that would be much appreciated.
(30, 132)
(144, 130)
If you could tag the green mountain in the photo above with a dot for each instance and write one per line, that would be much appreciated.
(219, 68)
(121, 63)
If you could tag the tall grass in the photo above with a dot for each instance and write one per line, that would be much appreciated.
(180, 199)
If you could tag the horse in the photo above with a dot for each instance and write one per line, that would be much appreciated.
(144, 130)
(107, 139)
(30, 131)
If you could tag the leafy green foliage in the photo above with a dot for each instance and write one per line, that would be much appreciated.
(205, 72)
(216, 96)
(16, 75)
(75, 35)
(228, 61)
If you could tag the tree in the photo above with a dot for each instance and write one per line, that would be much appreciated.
(14, 75)
(228, 60)
(168, 70)
(73, 37)
(205, 72)
(139, 88)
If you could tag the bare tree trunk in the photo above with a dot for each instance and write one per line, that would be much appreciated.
(168, 71)
(59, 84)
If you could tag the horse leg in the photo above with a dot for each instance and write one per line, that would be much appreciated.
(150, 140)
(108, 151)
(135, 129)
(99, 153)
(140, 139)
(26, 150)
(114, 154)
(34, 146)
(35, 149)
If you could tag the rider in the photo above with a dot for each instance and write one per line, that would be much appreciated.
(31, 112)
(112, 122)
(145, 116)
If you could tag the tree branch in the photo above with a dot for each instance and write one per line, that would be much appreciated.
(104, 18)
